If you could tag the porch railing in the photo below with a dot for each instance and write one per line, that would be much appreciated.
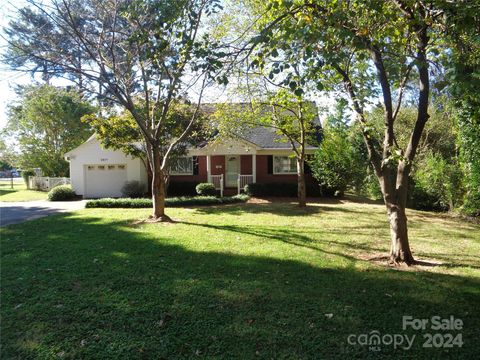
(243, 180)
(46, 183)
(217, 181)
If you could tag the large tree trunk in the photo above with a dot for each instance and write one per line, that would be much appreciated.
(158, 188)
(394, 189)
(399, 247)
(302, 202)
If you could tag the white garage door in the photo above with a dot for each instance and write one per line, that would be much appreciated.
(105, 180)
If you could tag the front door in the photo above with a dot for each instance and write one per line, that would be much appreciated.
(232, 169)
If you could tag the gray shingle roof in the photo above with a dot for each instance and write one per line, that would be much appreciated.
(265, 137)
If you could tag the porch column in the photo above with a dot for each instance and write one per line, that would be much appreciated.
(209, 169)
(254, 167)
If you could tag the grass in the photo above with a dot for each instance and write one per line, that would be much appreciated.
(238, 281)
(19, 193)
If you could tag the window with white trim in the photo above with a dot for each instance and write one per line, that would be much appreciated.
(284, 165)
(182, 166)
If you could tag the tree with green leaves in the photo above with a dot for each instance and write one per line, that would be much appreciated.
(46, 123)
(8, 158)
(295, 119)
(333, 163)
(21, 34)
(436, 177)
(337, 165)
(124, 50)
(274, 100)
(463, 77)
(290, 116)
(119, 131)
(374, 49)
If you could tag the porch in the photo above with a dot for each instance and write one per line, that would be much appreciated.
(230, 173)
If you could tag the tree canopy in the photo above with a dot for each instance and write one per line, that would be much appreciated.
(46, 124)
(121, 51)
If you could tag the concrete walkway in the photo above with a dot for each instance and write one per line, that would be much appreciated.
(17, 212)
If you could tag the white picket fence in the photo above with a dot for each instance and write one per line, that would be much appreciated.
(46, 183)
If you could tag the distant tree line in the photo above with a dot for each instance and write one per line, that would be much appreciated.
(442, 177)
(44, 123)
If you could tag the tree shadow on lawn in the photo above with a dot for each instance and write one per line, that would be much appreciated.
(293, 237)
(5, 191)
(347, 198)
(451, 260)
(276, 208)
(93, 288)
(353, 250)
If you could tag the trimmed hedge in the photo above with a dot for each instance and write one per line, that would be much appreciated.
(282, 189)
(61, 193)
(169, 202)
(206, 189)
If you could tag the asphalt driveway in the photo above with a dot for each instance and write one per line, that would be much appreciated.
(16, 212)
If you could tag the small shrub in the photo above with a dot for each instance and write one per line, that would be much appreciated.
(26, 174)
(61, 193)
(206, 189)
(169, 202)
(182, 188)
(235, 199)
(255, 189)
(133, 189)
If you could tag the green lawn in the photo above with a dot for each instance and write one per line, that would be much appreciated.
(19, 193)
(245, 281)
